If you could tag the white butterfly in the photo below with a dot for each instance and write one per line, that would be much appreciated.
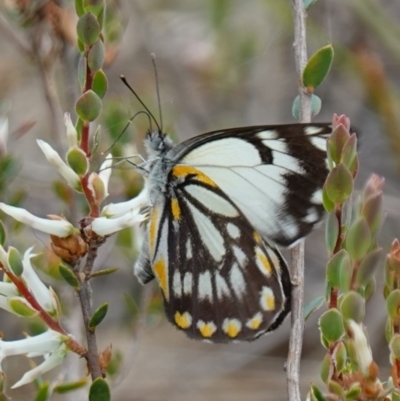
(220, 203)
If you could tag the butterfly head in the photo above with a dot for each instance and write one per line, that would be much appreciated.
(157, 143)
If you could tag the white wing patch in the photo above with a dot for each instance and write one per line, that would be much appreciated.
(222, 286)
(237, 280)
(177, 284)
(239, 255)
(227, 153)
(205, 286)
(212, 201)
(269, 134)
(189, 253)
(187, 283)
(312, 130)
(233, 230)
(318, 142)
(210, 236)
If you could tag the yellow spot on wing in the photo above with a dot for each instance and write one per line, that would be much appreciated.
(232, 327)
(176, 210)
(257, 237)
(206, 329)
(183, 171)
(255, 322)
(153, 230)
(267, 300)
(183, 320)
(263, 262)
(160, 270)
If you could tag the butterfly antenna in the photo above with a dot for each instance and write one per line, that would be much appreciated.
(123, 79)
(153, 58)
(126, 127)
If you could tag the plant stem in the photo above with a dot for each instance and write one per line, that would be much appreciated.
(297, 253)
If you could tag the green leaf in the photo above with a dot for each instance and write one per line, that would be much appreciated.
(354, 392)
(296, 108)
(326, 368)
(44, 392)
(340, 356)
(393, 304)
(88, 29)
(316, 104)
(98, 316)
(15, 261)
(77, 160)
(337, 141)
(316, 393)
(358, 239)
(368, 266)
(88, 106)
(313, 305)
(334, 266)
(352, 306)
(99, 391)
(93, 6)
(100, 84)
(104, 272)
(96, 56)
(79, 8)
(331, 231)
(21, 307)
(3, 234)
(394, 345)
(331, 325)
(317, 68)
(69, 276)
(81, 73)
(339, 184)
(328, 204)
(66, 387)
(309, 3)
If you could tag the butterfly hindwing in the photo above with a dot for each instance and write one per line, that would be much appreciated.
(220, 280)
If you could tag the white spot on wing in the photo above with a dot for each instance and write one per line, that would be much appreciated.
(317, 197)
(239, 255)
(274, 258)
(212, 201)
(210, 236)
(267, 299)
(177, 284)
(312, 215)
(319, 142)
(233, 230)
(288, 162)
(189, 253)
(224, 152)
(269, 134)
(278, 145)
(237, 280)
(205, 286)
(222, 286)
(187, 283)
(313, 130)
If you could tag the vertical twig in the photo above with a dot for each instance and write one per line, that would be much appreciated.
(297, 253)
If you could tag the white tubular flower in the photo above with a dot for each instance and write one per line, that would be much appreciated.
(119, 209)
(59, 228)
(49, 344)
(103, 226)
(105, 173)
(45, 296)
(72, 135)
(8, 289)
(363, 350)
(54, 158)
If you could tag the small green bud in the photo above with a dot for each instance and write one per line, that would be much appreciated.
(98, 316)
(77, 160)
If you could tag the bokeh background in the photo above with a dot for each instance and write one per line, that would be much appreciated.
(221, 63)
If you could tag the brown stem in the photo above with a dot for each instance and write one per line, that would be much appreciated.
(333, 299)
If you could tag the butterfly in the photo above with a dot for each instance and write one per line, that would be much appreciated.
(221, 203)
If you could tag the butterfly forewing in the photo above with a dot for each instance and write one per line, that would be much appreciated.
(220, 202)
